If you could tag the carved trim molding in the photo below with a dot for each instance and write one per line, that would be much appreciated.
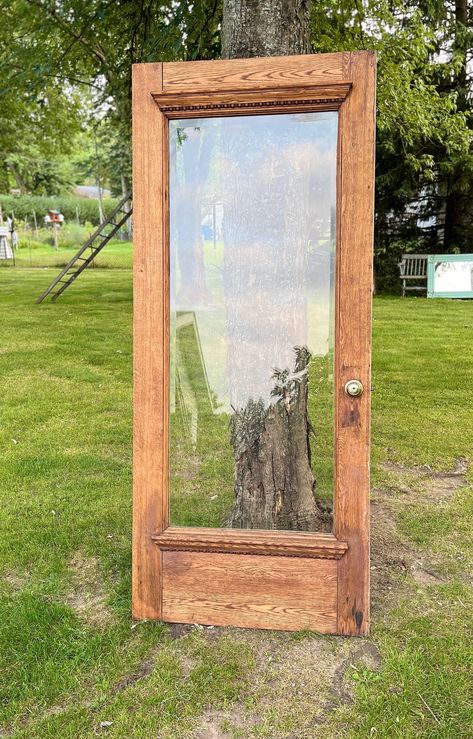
(243, 541)
(310, 102)
(317, 97)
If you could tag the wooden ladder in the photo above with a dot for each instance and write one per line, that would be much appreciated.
(88, 251)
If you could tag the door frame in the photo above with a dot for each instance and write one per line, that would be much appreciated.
(325, 575)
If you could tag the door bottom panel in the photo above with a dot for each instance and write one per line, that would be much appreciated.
(250, 591)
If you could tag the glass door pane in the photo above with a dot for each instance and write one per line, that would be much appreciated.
(252, 276)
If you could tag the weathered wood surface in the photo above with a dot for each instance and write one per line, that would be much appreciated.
(254, 74)
(150, 352)
(250, 591)
(355, 212)
(413, 267)
(282, 543)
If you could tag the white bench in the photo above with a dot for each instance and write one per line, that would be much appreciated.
(412, 270)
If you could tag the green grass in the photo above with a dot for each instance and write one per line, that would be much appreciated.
(117, 255)
(425, 688)
(423, 380)
(69, 658)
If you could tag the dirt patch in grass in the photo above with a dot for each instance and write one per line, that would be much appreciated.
(393, 558)
(390, 556)
(436, 487)
(215, 724)
(424, 575)
(299, 680)
(87, 595)
(16, 581)
(142, 671)
(177, 631)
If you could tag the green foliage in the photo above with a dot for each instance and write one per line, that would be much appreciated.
(66, 75)
(72, 61)
(39, 117)
(424, 137)
(72, 235)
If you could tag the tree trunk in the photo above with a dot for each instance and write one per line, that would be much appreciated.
(265, 28)
(274, 484)
(20, 182)
(457, 227)
(273, 480)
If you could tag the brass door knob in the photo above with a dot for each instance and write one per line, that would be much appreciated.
(354, 388)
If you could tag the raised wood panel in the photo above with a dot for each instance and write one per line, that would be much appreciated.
(250, 591)
(281, 543)
(259, 73)
(355, 205)
(149, 287)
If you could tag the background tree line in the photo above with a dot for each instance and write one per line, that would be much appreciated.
(65, 99)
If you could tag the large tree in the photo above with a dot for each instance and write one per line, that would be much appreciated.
(424, 49)
(265, 28)
(273, 482)
(90, 45)
(424, 142)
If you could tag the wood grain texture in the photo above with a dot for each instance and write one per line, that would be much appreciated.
(243, 541)
(256, 73)
(355, 214)
(149, 286)
(327, 97)
(250, 591)
(287, 592)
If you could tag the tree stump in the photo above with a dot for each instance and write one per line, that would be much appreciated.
(273, 483)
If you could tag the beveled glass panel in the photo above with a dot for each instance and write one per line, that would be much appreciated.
(252, 275)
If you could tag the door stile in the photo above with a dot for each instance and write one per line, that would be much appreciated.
(355, 200)
(150, 371)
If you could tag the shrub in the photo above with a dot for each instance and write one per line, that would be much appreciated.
(25, 242)
(71, 235)
(24, 205)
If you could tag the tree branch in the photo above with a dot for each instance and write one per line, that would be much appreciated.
(96, 52)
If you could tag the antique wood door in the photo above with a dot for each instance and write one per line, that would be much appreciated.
(253, 186)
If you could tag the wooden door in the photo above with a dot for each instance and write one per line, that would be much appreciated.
(224, 575)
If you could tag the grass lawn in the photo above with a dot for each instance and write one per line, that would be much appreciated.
(71, 662)
(117, 255)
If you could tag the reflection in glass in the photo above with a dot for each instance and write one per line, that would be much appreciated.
(252, 261)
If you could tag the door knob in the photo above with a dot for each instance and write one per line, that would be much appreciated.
(354, 388)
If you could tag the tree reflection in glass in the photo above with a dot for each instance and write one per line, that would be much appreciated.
(252, 245)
